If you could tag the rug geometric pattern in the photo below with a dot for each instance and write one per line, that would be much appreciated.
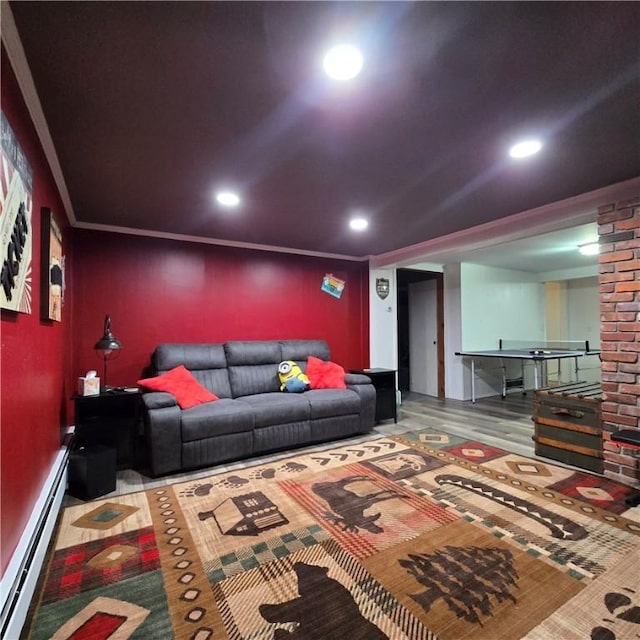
(99, 562)
(416, 537)
(597, 491)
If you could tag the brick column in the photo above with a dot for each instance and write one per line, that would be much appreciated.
(619, 261)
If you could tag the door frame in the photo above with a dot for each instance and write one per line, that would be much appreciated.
(405, 277)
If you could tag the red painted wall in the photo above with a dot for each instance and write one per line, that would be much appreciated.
(34, 359)
(155, 291)
(158, 290)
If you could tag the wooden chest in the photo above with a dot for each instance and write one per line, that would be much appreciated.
(568, 425)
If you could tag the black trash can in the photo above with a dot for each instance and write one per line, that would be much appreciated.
(92, 472)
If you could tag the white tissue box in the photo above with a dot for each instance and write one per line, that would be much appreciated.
(88, 386)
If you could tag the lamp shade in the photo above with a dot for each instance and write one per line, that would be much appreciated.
(108, 342)
(108, 348)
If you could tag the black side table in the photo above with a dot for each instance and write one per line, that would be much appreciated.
(110, 419)
(92, 472)
(384, 380)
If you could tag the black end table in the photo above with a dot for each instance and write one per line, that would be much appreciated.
(92, 472)
(110, 419)
(384, 380)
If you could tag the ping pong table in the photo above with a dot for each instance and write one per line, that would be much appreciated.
(538, 355)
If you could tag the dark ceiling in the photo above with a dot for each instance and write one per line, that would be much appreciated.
(153, 105)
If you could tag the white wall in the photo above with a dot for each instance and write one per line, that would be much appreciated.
(499, 303)
(457, 383)
(383, 319)
(483, 304)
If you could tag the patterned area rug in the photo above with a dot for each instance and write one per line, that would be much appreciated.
(420, 536)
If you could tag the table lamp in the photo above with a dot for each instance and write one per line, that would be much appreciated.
(108, 348)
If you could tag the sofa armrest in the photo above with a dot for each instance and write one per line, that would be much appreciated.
(162, 432)
(367, 393)
(356, 378)
(158, 400)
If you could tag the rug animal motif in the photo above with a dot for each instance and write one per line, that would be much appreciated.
(415, 537)
(349, 507)
(313, 622)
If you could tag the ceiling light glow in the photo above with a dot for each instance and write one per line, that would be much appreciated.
(525, 148)
(343, 62)
(358, 224)
(228, 198)
(589, 249)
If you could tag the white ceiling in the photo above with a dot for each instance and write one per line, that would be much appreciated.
(554, 251)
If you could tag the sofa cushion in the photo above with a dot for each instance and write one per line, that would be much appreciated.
(278, 408)
(325, 375)
(253, 366)
(245, 352)
(207, 363)
(326, 403)
(218, 418)
(250, 380)
(193, 356)
(180, 383)
(216, 380)
(301, 349)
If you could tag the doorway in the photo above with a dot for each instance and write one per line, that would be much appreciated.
(420, 332)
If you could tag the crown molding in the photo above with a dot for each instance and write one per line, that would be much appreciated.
(18, 59)
(147, 233)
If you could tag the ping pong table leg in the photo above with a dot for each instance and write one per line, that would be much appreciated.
(473, 381)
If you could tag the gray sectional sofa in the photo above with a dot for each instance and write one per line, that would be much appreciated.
(252, 415)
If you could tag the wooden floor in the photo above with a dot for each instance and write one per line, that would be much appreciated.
(506, 424)
(502, 423)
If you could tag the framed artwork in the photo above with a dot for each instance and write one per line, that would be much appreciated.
(15, 222)
(332, 285)
(51, 268)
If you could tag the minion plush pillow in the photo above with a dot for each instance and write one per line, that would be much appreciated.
(291, 377)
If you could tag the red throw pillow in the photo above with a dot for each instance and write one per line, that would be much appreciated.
(325, 375)
(181, 383)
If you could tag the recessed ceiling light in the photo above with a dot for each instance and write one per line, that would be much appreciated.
(358, 224)
(589, 249)
(525, 148)
(343, 62)
(228, 198)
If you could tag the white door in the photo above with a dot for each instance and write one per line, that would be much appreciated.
(423, 336)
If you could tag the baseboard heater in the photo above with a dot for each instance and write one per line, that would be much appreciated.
(19, 581)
